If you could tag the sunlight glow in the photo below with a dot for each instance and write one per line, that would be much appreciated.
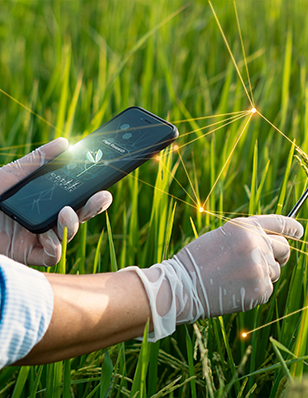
(244, 335)
(201, 209)
(253, 110)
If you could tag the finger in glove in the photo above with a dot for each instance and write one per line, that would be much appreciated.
(16, 171)
(50, 251)
(69, 219)
(283, 225)
(98, 203)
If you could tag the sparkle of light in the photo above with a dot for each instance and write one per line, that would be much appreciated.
(253, 110)
(157, 158)
(201, 209)
(244, 335)
(175, 147)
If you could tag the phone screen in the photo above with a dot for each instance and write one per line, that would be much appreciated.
(94, 163)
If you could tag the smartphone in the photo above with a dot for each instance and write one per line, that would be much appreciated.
(94, 163)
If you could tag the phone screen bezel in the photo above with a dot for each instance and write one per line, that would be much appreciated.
(81, 200)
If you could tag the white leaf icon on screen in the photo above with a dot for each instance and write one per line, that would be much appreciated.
(90, 157)
(98, 156)
(94, 157)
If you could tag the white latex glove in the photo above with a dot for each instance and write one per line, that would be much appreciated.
(23, 246)
(230, 269)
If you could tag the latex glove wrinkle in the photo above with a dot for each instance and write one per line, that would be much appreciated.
(228, 270)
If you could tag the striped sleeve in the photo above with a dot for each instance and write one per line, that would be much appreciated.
(26, 305)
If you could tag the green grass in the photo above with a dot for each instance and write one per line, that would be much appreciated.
(77, 64)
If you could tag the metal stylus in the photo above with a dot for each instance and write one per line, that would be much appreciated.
(299, 204)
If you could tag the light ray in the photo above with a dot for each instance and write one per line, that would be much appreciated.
(227, 161)
(173, 176)
(243, 50)
(230, 52)
(31, 111)
(234, 117)
(155, 188)
(276, 128)
(247, 227)
(207, 117)
(246, 333)
(21, 146)
(189, 179)
(209, 132)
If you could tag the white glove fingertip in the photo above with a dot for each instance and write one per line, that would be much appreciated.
(274, 272)
(52, 149)
(51, 248)
(69, 219)
(95, 205)
(291, 228)
(299, 232)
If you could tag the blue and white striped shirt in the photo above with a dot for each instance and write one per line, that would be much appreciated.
(26, 305)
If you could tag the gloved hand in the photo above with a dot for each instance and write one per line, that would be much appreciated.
(44, 249)
(230, 269)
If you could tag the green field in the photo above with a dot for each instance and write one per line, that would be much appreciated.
(76, 64)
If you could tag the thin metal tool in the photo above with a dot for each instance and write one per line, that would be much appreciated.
(298, 204)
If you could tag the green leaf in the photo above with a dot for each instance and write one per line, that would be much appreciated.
(97, 252)
(139, 382)
(20, 382)
(283, 189)
(113, 257)
(67, 379)
(252, 201)
(36, 382)
(190, 359)
(106, 376)
(281, 360)
(193, 228)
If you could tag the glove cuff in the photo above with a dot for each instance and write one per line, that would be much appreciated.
(172, 296)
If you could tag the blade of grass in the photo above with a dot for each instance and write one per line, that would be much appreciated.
(170, 224)
(64, 92)
(81, 254)
(72, 109)
(252, 201)
(61, 266)
(239, 370)
(113, 257)
(97, 253)
(281, 360)
(53, 380)
(294, 298)
(196, 235)
(67, 379)
(106, 375)
(153, 368)
(139, 382)
(20, 382)
(190, 359)
(229, 352)
(133, 235)
(283, 189)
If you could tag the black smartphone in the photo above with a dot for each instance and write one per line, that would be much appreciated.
(94, 163)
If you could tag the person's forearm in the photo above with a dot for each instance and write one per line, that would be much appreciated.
(91, 312)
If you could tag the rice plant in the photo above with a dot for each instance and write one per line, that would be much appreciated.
(234, 81)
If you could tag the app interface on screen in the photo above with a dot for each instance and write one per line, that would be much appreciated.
(97, 158)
